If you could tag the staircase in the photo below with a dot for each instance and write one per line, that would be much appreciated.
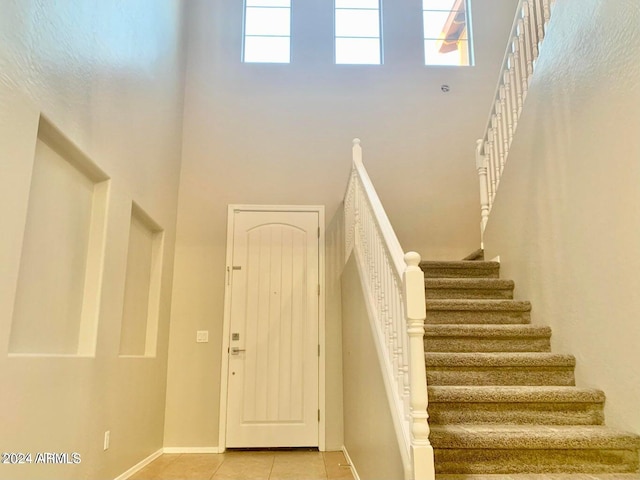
(501, 405)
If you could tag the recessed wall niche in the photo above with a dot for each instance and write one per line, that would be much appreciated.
(57, 298)
(139, 331)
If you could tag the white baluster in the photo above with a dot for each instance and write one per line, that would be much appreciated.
(367, 243)
(481, 166)
(488, 152)
(540, 22)
(399, 316)
(385, 318)
(524, 75)
(406, 354)
(527, 39)
(504, 123)
(497, 162)
(356, 215)
(415, 312)
(546, 5)
(397, 353)
(499, 136)
(507, 107)
(518, 75)
(533, 31)
(393, 346)
(513, 88)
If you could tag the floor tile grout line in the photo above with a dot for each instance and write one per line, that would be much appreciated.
(324, 465)
(273, 461)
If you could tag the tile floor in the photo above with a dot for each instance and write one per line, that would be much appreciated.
(251, 465)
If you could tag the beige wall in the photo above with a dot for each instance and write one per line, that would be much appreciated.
(369, 434)
(281, 134)
(334, 263)
(107, 74)
(566, 222)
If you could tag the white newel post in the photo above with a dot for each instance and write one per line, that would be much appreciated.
(421, 449)
(357, 152)
(481, 166)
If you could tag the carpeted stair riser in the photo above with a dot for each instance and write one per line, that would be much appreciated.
(487, 338)
(478, 311)
(515, 405)
(465, 448)
(469, 288)
(462, 269)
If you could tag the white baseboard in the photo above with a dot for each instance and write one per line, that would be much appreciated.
(351, 465)
(193, 450)
(139, 466)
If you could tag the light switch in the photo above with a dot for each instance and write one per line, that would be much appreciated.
(202, 336)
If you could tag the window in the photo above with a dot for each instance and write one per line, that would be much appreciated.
(358, 32)
(446, 32)
(267, 31)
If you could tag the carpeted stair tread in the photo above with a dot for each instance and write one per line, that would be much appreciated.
(538, 437)
(513, 394)
(462, 268)
(499, 368)
(499, 359)
(543, 476)
(487, 338)
(517, 405)
(477, 311)
(450, 288)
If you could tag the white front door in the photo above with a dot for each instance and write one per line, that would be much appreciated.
(273, 354)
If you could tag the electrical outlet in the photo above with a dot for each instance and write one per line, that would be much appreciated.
(202, 336)
(107, 438)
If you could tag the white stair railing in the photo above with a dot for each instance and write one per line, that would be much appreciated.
(395, 292)
(529, 29)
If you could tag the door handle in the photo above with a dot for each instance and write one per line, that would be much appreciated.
(236, 350)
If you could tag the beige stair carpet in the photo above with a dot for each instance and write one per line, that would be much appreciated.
(501, 404)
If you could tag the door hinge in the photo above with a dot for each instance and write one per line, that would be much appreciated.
(318, 232)
(318, 415)
(318, 289)
(318, 349)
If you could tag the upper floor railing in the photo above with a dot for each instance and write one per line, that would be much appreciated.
(529, 29)
(396, 296)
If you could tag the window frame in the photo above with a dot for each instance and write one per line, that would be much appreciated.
(245, 35)
(378, 38)
(468, 29)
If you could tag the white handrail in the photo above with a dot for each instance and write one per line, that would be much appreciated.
(395, 292)
(528, 31)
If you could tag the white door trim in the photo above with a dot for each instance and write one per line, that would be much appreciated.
(224, 364)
